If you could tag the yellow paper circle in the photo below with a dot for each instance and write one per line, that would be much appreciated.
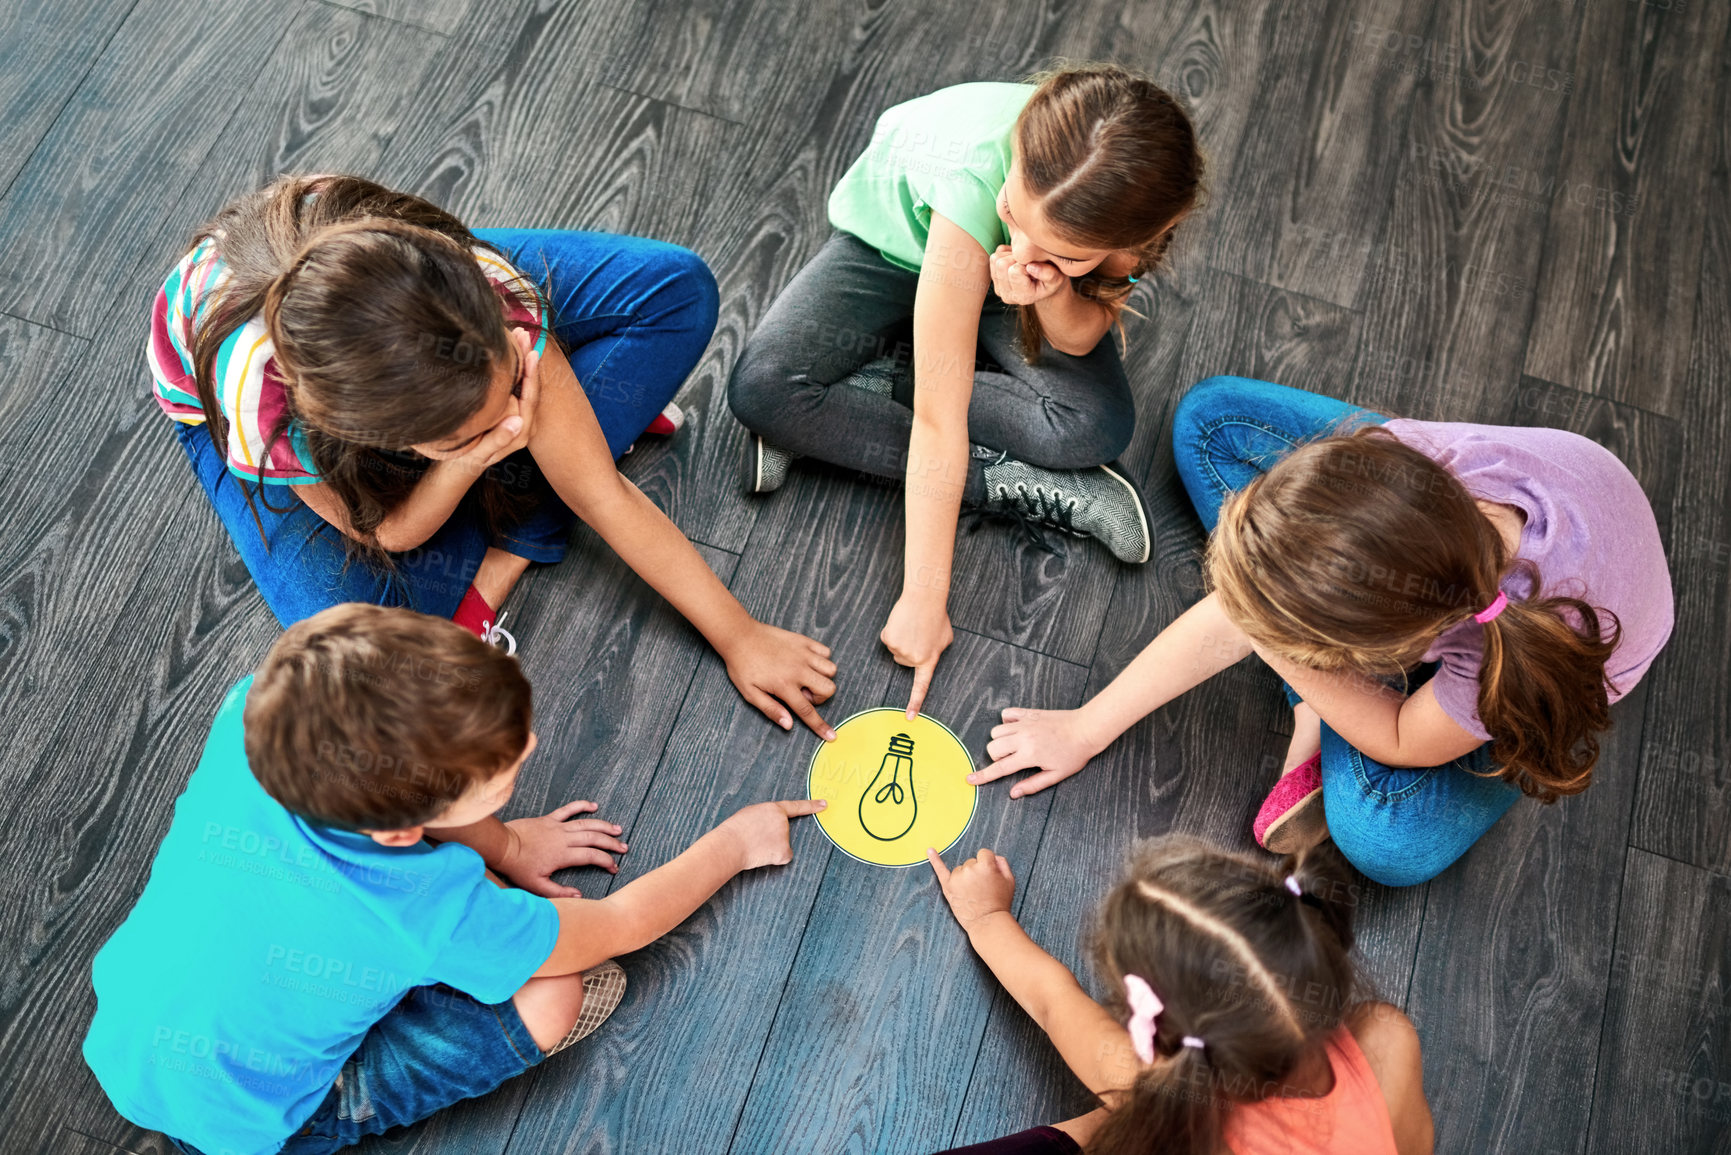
(894, 787)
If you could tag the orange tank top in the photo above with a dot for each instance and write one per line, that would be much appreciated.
(1352, 1117)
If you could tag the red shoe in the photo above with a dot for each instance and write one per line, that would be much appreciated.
(668, 421)
(480, 619)
(1291, 818)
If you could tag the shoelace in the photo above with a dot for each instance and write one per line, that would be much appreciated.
(1019, 515)
(491, 632)
(1052, 509)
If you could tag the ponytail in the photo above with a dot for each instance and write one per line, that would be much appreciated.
(1251, 962)
(1543, 694)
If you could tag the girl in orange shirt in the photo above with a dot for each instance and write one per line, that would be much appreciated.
(1236, 1023)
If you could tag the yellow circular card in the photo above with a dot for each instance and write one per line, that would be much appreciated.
(894, 787)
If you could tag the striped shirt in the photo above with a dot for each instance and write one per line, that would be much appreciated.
(248, 387)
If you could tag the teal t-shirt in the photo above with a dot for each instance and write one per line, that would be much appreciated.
(264, 947)
(946, 152)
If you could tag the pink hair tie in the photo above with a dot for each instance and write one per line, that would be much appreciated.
(1144, 1006)
(1497, 606)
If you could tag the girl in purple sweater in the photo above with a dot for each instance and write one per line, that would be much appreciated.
(1453, 609)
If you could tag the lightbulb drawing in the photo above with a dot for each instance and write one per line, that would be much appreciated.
(888, 808)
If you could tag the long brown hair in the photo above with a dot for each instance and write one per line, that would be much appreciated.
(1260, 975)
(1114, 161)
(373, 718)
(368, 294)
(1354, 552)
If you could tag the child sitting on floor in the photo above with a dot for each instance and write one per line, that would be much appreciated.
(1245, 1030)
(306, 966)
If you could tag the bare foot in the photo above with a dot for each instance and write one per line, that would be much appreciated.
(1306, 737)
(498, 575)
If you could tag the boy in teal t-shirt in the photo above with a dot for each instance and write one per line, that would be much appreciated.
(303, 967)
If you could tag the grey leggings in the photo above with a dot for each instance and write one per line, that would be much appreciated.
(849, 306)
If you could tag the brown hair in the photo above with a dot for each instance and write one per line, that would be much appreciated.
(1355, 552)
(1114, 161)
(1260, 975)
(386, 332)
(373, 718)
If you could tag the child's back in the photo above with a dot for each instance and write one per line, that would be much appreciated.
(263, 948)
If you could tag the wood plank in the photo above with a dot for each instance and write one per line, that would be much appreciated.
(439, 16)
(834, 582)
(1683, 809)
(885, 995)
(46, 49)
(1626, 222)
(130, 141)
(1664, 1061)
(1509, 991)
(1448, 296)
(1340, 78)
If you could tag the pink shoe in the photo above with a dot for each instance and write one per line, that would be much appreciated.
(668, 421)
(1291, 818)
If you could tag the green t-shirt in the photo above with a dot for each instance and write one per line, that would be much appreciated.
(945, 152)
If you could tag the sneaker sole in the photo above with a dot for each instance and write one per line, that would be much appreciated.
(1303, 826)
(1141, 513)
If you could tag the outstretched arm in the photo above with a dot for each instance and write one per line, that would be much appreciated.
(952, 290)
(1198, 644)
(1092, 1043)
(770, 666)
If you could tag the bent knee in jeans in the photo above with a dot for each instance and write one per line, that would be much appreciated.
(1401, 826)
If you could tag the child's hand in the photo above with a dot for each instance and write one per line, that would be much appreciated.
(980, 886)
(539, 846)
(1019, 284)
(917, 634)
(760, 832)
(770, 666)
(1054, 741)
(512, 431)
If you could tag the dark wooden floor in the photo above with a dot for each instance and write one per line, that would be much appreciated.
(1477, 210)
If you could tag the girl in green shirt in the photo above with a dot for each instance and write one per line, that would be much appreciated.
(950, 332)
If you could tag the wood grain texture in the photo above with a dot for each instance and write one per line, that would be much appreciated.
(1664, 1061)
(1618, 254)
(1683, 810)
(1509, 991)
(46, 50)
(440, 16)
(129, 142)
(886, 998)
(1448, 293)
(1306, 219)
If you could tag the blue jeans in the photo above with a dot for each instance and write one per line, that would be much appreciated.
(1399, 825)
(636, 315)
(436, 1047)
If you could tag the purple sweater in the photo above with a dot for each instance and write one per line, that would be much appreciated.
(1590, 531)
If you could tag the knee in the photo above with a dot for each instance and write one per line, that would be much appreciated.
(694, 272)
(549, 1007)
(1086, 433)
(1200, 400)
(1389, 862)
(759, 386)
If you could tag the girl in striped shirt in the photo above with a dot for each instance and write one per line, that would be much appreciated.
(383, 419)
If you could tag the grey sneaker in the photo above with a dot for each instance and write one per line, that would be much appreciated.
(877, 376)
(1101, 503)
(765, 466)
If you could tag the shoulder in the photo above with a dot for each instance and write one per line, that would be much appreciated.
(1390, 1044)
